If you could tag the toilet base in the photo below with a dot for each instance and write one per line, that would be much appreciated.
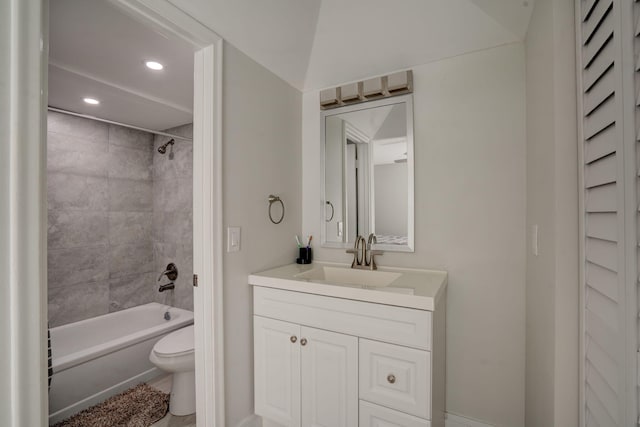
(183, 394)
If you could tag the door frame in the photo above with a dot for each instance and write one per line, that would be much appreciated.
(23, 219)
(207, 196)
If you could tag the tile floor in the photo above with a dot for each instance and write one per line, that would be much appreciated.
(164, 384)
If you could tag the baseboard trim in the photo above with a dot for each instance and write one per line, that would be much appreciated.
(453, 420)
(251, 421)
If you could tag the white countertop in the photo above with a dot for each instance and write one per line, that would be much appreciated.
(414, 288)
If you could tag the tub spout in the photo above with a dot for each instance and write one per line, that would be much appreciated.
(167, 287)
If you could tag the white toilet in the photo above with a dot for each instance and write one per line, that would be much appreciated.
(174, 353)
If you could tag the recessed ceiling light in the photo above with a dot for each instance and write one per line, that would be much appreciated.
(156, 66)
(91, 101)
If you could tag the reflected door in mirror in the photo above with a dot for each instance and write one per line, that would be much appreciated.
(368, 174)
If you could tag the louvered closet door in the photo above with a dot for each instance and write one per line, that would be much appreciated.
(604, 345)
(636, 128)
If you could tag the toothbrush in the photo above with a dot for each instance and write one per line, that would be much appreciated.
(298, 241)
(309, 242)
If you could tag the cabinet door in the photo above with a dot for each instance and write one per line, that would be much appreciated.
(277, 370)
(329, 379)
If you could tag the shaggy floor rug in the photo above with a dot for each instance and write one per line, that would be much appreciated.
(139, 406)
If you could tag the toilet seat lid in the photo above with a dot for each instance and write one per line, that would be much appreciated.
(177, 342)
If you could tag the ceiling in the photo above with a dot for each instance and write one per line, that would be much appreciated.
(314, 44)
(96, 50)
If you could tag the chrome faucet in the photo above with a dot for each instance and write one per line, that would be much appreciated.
(371, 260)
(363, 254)
(171, 272)
(359, 252)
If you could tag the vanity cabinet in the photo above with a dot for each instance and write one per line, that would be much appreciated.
(305, 376)
(337, 362)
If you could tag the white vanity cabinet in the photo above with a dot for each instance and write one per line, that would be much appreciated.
(326, 360)
(305, 376)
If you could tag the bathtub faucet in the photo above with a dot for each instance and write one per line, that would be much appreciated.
(171, 272)
(167, 287)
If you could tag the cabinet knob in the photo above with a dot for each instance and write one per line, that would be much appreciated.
(391, 378)
(303, 341)
(293, 338)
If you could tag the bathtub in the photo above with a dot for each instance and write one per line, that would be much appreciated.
(99, 357)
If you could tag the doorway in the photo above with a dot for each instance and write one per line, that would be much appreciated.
(166, 19)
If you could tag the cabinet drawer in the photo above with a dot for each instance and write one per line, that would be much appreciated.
(404, 326)
(396, 377)
(378, 416)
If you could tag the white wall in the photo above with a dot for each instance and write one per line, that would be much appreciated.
(552, 197)
(261, 137)
(469, 122)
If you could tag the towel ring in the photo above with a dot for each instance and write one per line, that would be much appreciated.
(332, 212)
(272, 200)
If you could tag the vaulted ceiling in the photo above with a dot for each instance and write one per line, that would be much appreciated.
(314, 44)
(96, 50)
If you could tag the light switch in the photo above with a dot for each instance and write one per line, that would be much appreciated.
(233, 239)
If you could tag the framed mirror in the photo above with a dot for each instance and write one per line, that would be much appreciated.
(367, 185)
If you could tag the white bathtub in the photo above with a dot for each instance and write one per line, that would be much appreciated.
(99, 357)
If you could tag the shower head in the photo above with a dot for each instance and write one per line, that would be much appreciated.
(163, 148)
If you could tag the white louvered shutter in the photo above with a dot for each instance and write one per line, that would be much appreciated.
(609, 318)
(635, 12)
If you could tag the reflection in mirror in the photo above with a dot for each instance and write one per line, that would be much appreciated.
(368, 174)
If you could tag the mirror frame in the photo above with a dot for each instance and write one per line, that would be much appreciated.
(401, 99)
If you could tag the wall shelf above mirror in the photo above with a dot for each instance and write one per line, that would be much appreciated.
(368, 181)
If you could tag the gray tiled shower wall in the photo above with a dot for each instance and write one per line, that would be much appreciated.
(113, 220)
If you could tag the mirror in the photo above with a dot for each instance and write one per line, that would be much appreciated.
(368, 174)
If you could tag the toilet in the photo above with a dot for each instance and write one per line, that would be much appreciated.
(174, 353)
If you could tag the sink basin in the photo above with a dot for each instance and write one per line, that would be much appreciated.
(349, 276)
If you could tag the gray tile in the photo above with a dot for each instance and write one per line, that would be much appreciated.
(166, 298)
(171, 195)
(177, 162)
(77, 192)
(130, 259)
(130, 195)
(60, 141)
(129, 163)
(184, 287)
(130, 138)
(163, 254)
(130, 291)
(77, 126)
(158, 226)
(183, 297)
(182, 256)
(78, 302)
(130, 227)
(69, 229)
(77, 162)
(178, 227)
(78, 265)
